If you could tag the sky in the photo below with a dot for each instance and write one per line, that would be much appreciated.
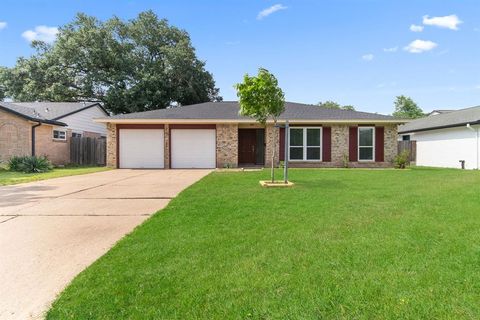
(355, 52)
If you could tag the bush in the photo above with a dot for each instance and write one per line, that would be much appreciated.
(14, 164)
(402, 160)
(30, 164)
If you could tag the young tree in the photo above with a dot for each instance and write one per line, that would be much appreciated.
(136, 65)
(406, 108)
(260, 97)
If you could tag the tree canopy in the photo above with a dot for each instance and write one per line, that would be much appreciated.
(260, 96)
(334, 105)
(136, 65)
(406, 108)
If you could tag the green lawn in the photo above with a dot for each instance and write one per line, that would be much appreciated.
(341, 244)
(9, 177)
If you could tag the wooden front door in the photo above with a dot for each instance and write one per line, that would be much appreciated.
(247, 139)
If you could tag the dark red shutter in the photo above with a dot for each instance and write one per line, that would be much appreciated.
(379, 143)
(282, 144)
(353, 144)
(327, 144)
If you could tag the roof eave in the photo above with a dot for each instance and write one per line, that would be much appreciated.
(456, 125)
(298, 121)
(28, 118)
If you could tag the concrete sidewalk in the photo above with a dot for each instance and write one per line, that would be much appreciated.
(52, 229)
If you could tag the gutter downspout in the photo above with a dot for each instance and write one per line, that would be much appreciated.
(33, 137)
(476, 130)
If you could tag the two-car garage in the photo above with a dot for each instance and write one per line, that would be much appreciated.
(189, 146)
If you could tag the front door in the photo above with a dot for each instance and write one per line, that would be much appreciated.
(251, 146)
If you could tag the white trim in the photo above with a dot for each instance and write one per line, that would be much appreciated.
(359, 146)
(305, 146)
(59, 139)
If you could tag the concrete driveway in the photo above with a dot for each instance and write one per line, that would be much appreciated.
(51, 230)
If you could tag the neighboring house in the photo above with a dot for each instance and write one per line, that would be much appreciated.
(45, 128)
(446, 139)
(213, 134)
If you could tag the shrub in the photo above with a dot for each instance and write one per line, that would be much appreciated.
(15, 162)
(30, 164)
(402, 160)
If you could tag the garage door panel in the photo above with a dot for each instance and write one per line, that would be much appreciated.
(141, 148)
(193, 148)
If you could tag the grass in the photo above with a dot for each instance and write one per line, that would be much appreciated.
(10, 177)
(341, 244)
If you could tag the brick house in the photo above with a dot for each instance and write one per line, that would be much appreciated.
(213, 134)
(45, 128)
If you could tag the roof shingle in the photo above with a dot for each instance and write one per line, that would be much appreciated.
(229, 110)
(443, 120)
(46, 112)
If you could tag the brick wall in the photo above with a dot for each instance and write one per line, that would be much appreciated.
(57, 151)
(15, 136)
(340, 143)
(111, 145)
(270, 131)
(227, 145)
(166, 146)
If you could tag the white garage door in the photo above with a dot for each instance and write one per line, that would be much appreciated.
(141, 148)
(193, 148)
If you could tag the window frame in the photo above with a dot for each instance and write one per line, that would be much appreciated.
(59, 139)
(372, 146)
(77, 134)
(305, 146)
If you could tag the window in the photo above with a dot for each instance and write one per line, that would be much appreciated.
(366, 138)
(305, 144)
(59, 135)
(406, 137)
(76, 135)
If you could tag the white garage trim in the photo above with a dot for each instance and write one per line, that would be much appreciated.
(192, 147)
(141, 148)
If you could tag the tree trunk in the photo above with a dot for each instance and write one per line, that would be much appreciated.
(273, 150)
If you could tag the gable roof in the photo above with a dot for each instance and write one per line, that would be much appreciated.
(28, 113)
(229, 111)
(451, 119)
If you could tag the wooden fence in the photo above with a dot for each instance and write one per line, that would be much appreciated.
(88, 151)
(411, 146)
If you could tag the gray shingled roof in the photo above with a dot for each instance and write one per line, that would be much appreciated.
(444, 120)
(27, 113)
(47, 112)
(229, 110)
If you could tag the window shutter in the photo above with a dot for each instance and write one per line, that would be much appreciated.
(282, 144)
(379, 143)
(353, 144)
(327, 144)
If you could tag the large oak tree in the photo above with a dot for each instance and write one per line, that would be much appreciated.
(136, 65)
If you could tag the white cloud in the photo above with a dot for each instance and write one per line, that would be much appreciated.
(368, 57)
(415, 28)
(41, 33)
(3, 25)
(449, 22)
(392, 49)
(419, 46)
(268, 11)
(477, 87)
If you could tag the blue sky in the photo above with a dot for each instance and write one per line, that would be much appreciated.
(319, 50)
